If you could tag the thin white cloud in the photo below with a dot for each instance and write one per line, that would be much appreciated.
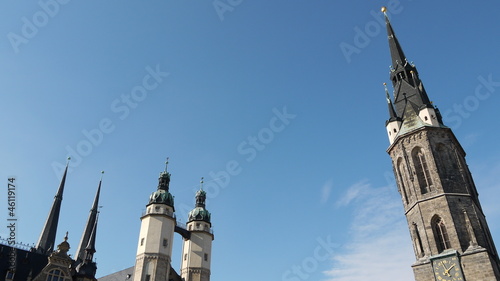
(380, 247)
(352, 193)
(326, 190)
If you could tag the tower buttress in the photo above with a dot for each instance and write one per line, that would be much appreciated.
(197, 250)
(154, 249)
(47, 239)
(447, 225)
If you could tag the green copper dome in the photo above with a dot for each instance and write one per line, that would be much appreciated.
(199, 214)
(162, 195)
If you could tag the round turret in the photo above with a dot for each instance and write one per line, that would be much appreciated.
(162, 195)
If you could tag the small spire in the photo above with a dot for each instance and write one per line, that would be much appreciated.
(66, 237)
(392, 113)
(201, 183)
(166, 164)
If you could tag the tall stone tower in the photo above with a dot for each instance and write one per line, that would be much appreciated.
(154, 250)
(197, 249)
(447, 225)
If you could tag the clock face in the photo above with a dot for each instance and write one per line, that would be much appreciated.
(447, 269)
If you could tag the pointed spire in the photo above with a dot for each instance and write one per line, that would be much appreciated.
(409, 90)
(392, 113)
(91, 222)
(47, 238)
(397, 54)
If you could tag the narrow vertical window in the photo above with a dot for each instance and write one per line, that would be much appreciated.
(142, 241)
(422, 170)
(402, 179)
(185, 256)
(440, 234)
(206, 257)
(417, 240)
(165, 242)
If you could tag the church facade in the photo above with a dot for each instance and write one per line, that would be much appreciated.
(448, 228)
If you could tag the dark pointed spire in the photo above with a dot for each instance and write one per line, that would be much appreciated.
(408, 88)
(91, 222)
(397, 54)
(47, 238)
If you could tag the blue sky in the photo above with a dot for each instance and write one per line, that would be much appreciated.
(278, 104)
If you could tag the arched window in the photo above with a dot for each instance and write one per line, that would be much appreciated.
(402, 177)
(56, 275)
(440, 234)
(422, 170)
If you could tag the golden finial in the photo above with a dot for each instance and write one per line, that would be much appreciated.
(384, 9)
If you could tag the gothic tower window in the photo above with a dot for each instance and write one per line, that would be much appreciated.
(402, 179)
(422, 170)
(440, 234)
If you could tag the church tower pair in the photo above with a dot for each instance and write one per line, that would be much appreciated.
(448, 228)
(158, 224)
